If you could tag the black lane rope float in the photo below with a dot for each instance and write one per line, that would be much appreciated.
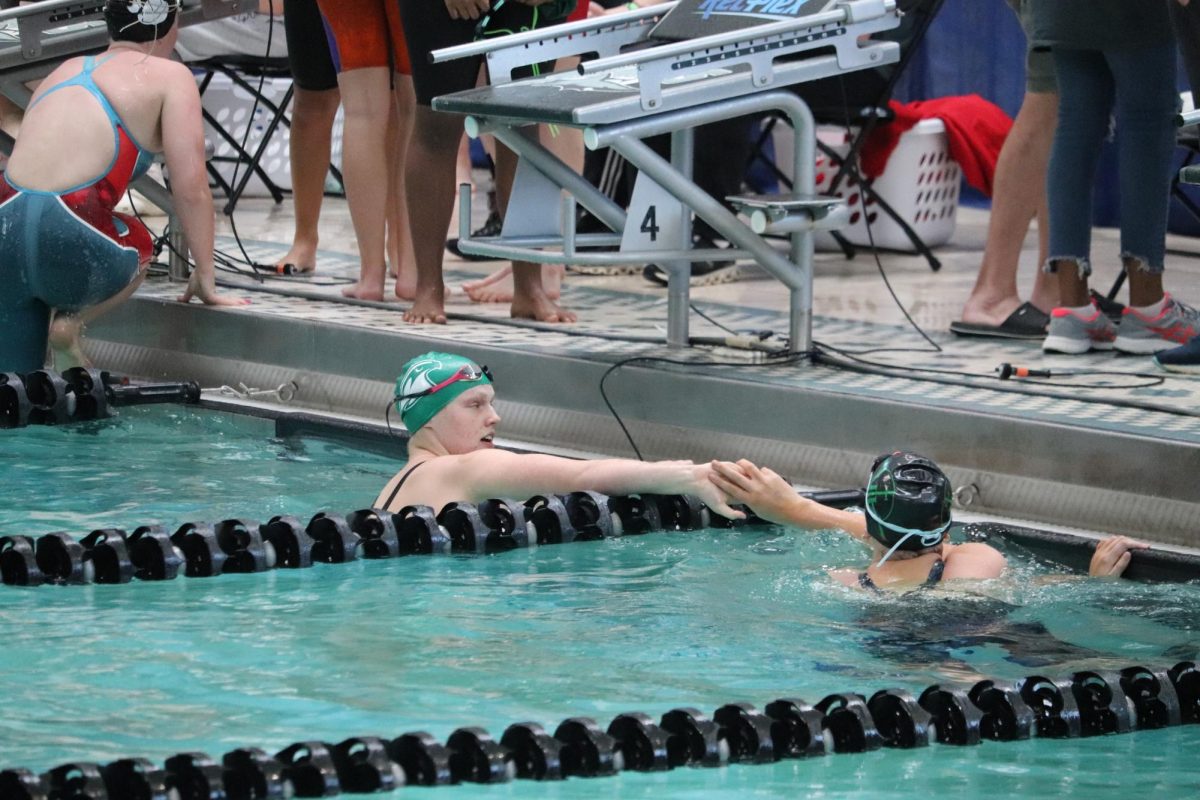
(79, 395)
(1087, 703)
(204, 550)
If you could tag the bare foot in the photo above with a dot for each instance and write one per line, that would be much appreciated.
(541, 308)
(989, 313)
(66, 334)
(498, 287)
(407, 290)
(302, 257)
(428, 308)
(361, 290)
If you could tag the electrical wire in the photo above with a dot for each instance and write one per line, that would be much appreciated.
(780, 357)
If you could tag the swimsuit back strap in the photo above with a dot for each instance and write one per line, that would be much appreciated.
(400, 483)
(935, 573)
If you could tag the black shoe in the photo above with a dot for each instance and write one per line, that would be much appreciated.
(1112, 308)
(491, 227)
(704, 273)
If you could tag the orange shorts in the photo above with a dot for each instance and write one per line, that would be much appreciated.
(365, 33)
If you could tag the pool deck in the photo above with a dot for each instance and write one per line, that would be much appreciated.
(1120, 460)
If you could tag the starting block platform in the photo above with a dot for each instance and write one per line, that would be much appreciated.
(666, 69)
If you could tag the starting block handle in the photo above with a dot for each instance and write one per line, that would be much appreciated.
(567, 30)
(740, 36)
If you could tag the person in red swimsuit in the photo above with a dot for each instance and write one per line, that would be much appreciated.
(91, 128)
(369, 53)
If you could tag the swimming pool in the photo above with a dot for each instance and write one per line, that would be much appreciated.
(638, 623)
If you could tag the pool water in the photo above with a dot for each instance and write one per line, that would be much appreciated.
(640, 623)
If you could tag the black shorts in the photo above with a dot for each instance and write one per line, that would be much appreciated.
(308, 49)
(428, 27)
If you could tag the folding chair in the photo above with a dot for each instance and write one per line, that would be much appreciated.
(860, 100)
(244, 72)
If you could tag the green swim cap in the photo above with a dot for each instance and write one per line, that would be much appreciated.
(430, 382)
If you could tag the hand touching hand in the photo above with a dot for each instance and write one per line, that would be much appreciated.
(770, 496)
(706, 489)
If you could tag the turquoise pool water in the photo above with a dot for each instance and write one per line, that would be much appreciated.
(641, 623)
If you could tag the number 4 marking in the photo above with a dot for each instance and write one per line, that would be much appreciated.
(650, 223)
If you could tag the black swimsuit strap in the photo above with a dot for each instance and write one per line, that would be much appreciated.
(935, 573)
(934, 578)
(388, 505)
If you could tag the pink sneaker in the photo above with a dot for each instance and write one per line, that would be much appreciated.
(1075, 333)
(1175, 324)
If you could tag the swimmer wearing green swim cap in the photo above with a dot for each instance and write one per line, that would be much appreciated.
(447, 403)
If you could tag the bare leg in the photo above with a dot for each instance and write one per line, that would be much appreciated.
(400, 240)
(365, 98)
(1072, 286)
(567, 144)
(1020, 194)
(530, 299)
(498, 287)
(1144, 288)
(66, 331)
(309, 147)
(429, 186)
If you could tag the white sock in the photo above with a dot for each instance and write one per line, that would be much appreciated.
(1082, 310)
(1152, 310)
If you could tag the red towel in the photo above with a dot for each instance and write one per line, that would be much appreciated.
(975, 130)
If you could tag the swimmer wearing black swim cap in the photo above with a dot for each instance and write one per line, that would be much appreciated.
(907, 503)
(906, 521)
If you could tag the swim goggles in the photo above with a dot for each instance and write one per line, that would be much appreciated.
(928, 538)
(469, 372)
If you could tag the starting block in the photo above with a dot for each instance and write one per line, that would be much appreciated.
(665, 69)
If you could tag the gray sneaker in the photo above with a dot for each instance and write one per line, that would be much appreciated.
(1175, 324)
(1071, 332)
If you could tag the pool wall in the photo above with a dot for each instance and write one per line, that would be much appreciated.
(1004, 462)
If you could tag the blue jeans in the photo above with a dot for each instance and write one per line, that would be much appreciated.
(1141, 81)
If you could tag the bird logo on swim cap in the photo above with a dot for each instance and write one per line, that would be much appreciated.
(430, 382)
(127, 18)
(907, 502)
(151, 12)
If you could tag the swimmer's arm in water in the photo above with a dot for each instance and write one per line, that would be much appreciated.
(183, 146)
(774, 499)
(498, 473)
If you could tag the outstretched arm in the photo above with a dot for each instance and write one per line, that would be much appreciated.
(498, 473)
(183, 146)
(774, 499)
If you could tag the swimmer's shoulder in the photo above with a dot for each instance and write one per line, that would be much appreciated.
(973, 561)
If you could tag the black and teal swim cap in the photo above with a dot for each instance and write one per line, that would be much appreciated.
(430, 382)
(907, 502)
